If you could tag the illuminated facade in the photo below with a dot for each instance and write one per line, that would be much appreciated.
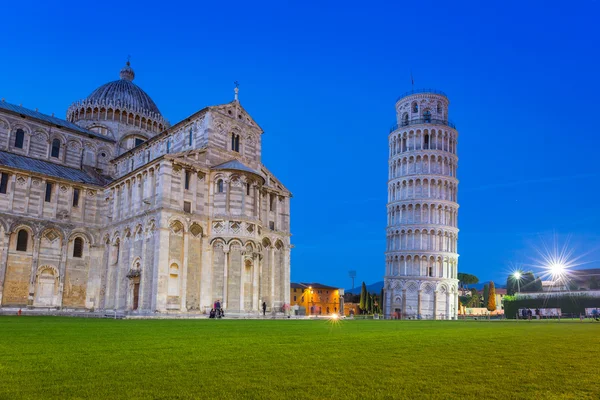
(317, 299)
(115, 209)
(421, 255)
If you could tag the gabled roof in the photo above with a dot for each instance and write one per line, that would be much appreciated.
(61, 123)
(51, 169)
(236, 165)
(236, 103)
(313, 285)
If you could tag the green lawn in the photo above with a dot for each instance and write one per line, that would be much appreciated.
(47, 357)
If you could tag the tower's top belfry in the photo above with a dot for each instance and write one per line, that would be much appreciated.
(422, 106)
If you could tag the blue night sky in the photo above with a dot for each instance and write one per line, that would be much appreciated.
(322, 79)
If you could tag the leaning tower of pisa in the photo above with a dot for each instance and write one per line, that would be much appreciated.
(421, 256)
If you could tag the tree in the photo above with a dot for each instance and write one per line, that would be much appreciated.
(381, 301)
(513, 284)
(363, 298)
(486, 294)
(491, 303)
(475, 299)
(370, 307)
(529, 283)
(467, 279)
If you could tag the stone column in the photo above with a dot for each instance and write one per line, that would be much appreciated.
(34, 265)
(206, 296)
(41, 199)
(225, 273)
(3, 263)
(103, 277)
(227, 195)
(183, 281)
(435, 304)
(448, 305)
(62, 270)
(261, 294)
(161, 271)
(404, 301)
(28, 195)
(388, 293)
(286, 274)
(11, 195)
(419, 302)
(255, 281)
(143, 273)
(272, 277)
(256, 201)
(242, 272)
(119, 274)
(455, 297)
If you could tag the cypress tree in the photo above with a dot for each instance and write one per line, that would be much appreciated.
(486, 293)
(363, 298)
(381, 302)
(491, 303)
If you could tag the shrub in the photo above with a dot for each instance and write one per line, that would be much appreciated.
(567, 303)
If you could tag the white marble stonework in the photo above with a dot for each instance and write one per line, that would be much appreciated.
(422, 232)
(114, 208)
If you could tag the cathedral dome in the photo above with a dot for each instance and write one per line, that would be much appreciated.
(120, 101)
(124, 93)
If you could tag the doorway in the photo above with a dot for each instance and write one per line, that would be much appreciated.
(136, 295)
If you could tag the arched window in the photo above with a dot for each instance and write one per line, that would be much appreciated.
(78, 248)
(235, 142)
(405, 119)
(19, 138)
(426, 142)
(191, 138)
(55, 148)
(188, 177)
(22, 239)
(439, 108)
(415, 107)
(220, 186)
(168, 146)
(427, 116)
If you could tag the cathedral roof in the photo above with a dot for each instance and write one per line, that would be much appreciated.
(124, 93)
(50, 119)
(49, 168)
(236, 165)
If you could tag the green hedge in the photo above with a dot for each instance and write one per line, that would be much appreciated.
(567, 304)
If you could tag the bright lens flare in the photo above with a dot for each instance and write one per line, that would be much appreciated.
(334, 320)
(517, 275)
(557, 270)
(555, 264)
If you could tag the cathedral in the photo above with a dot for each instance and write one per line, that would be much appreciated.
(115, 209)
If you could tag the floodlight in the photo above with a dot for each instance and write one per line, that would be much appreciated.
(557, 269)
(517, 275)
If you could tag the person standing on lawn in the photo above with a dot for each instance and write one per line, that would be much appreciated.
(264, 307)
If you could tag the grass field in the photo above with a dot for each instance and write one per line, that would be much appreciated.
(57, 358)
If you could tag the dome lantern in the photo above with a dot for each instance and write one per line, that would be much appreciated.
(127, 73)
